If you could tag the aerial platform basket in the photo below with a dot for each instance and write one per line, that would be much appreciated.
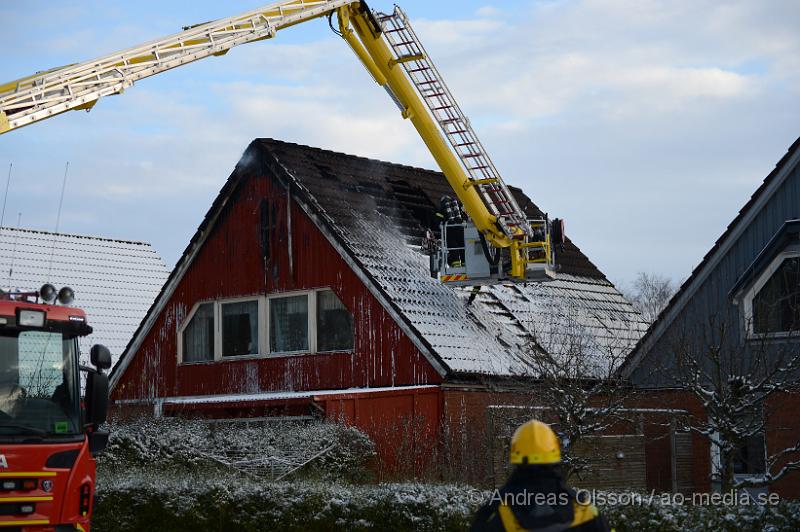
(463, 258)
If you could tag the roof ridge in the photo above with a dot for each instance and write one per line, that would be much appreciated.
(75, 235)
(349, 155)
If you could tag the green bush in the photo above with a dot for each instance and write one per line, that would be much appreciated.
(679, 518)
(192, 504)
(165, 474)
(136, 500)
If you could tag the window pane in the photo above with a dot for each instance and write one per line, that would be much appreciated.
(240, 328)
(39, 384)
(198, 336)
(334, 323)
(776, 307)
(750, 459)
(288, 325)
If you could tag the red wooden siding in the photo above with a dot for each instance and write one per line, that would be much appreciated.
(231, 264)
(405, 426)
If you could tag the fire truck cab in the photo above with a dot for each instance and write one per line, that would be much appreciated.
(48, 435)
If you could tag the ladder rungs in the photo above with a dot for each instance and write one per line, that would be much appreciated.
(446, 112)
(475, 182)
(406, 59)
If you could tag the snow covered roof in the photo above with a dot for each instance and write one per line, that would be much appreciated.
(379, 211)
(115, 281)
(375, 214)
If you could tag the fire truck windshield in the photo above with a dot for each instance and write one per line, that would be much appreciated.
(39, 384)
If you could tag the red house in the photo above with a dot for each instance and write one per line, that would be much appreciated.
(305, 292)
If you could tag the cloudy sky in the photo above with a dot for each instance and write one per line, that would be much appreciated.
(646, 124)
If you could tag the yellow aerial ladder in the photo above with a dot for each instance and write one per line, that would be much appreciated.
(497, 244)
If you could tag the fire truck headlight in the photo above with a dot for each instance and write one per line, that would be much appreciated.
(66, 296)
(26, 508)
(31, 318)
(48, 293)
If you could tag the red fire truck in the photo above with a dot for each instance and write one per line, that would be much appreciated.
(48, 435)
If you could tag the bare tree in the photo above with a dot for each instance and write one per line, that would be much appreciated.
(649, 294)
(733, 381)
(577, 379)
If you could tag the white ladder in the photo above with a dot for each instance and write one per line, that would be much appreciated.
(455, 126)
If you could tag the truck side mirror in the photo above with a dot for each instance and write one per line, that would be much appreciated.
(96, 398)
(98, 441)
(100, 357)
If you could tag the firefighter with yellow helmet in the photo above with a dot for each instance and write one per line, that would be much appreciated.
(535, 496)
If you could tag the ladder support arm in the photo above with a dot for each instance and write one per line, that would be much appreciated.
(79, 86)
(385, 44)
(372, 45)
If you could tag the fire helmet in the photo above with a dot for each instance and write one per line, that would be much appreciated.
(535, 442)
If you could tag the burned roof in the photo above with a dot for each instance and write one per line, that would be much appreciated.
(375, 214)
(379, 212)
(407, 195)
(115, 281)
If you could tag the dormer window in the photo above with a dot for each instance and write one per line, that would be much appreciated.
(198, 334)
(772, 305)
(776, 306)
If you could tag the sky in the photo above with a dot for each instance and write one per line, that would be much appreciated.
(645, 124)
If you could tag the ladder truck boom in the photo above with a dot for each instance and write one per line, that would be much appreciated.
(497, 244)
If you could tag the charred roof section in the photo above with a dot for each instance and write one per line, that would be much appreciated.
(375, 213)
(406, 194)
(378, 212)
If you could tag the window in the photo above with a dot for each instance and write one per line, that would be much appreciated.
(750, 458)
(776, 305)
(288, 324)
(39, 383)
(239, 328)
(198, 335)
(334, 323)
(314, 321)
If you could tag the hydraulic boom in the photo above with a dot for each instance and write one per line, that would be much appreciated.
(498, 243)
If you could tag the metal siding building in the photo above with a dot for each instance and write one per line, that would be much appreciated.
(713, 310)
(715, 287)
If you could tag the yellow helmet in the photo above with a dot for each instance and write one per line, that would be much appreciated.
(535, 442)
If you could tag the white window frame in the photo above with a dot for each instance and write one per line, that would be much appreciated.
(750, 295)
(186, 321)
(264, 302)
(310, 320)
(316, 318)
(218, 354)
